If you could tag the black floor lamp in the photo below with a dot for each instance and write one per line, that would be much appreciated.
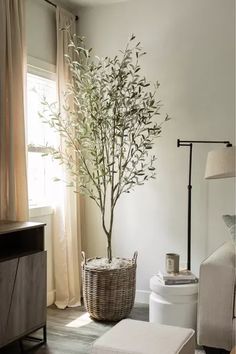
(220, 164)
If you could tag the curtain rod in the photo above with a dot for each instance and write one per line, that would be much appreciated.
(54, 5)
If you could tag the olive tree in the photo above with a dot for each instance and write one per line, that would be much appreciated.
(110, 127)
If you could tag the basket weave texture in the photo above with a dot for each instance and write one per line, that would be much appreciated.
(109, 293)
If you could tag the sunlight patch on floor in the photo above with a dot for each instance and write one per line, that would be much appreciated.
(80, 321)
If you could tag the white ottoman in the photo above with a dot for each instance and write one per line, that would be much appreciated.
(174, 305)
(139, 337)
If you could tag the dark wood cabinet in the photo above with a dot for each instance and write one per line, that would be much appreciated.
(22, 280)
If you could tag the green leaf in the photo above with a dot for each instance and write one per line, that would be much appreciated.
(55, 179)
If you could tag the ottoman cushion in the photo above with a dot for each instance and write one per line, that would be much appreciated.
(139, 337)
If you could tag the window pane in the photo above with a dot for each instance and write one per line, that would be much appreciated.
(36, 178)
(40, 169)
(37, 87)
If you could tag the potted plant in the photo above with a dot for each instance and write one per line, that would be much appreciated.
(110, 127)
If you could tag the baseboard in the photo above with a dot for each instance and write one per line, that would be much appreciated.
(142, 296)
(50, 297)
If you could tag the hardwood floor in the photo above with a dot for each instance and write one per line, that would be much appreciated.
(71, 331)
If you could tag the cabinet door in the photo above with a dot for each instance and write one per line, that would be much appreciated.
(27, 310)
(7, 278)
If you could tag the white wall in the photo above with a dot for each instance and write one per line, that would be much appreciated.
(190, 45)
(41, 30)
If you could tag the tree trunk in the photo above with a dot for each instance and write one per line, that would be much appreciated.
(109, 251)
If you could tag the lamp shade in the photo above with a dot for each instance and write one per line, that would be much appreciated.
(221, 163)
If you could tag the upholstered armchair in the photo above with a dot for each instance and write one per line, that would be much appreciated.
(216, 308)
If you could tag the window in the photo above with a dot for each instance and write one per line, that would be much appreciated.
(40, 169)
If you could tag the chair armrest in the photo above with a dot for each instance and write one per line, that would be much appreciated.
(216, 298)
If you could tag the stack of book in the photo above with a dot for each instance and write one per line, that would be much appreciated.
(183, 277)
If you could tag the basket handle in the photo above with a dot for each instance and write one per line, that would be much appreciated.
(83, 258)
(134, 260)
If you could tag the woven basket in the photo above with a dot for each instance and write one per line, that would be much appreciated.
(109, 293)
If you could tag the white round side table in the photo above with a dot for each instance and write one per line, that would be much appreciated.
(174, 305)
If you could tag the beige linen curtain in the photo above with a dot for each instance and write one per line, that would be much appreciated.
(13, 175)
(66, 222)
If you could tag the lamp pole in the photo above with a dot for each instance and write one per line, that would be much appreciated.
(189, 143)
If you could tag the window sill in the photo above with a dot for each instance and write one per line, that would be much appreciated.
(40, 210)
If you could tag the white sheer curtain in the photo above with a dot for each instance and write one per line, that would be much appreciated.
(13, 175)
(66, 238)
